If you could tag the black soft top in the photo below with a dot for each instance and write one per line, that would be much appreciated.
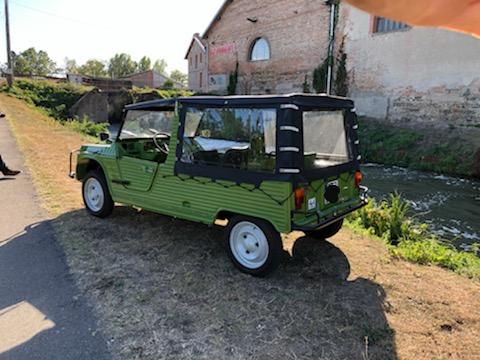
(301, 100)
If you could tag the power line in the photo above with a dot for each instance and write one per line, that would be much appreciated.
(65, 18)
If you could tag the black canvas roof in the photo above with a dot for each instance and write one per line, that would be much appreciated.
(301, 100)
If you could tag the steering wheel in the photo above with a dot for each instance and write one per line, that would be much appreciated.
(158, 135)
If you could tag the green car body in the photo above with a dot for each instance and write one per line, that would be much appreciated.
(276, 184)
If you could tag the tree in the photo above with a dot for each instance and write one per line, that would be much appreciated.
(93, 67)
(160, 66)
(180, 77)
(145, 64)
(33, 63)
(121, 65)
(168, 84)
(341, 78)
(319, 82)
(233, 81)
(71, 66)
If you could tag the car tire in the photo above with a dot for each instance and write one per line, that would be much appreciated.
(96, 196)
(253, 245)
(327, 231)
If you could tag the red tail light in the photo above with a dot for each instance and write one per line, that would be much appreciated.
(299, 198)
(358, 178)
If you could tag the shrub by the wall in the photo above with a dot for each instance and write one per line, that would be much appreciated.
(86, 126)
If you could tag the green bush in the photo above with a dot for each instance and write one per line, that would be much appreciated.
(168, 85)
(389, 219)
(319, 82)
(142, 94)
(54, 98)
(233, 81)
(410, 240)
(341, 78)
(86, 126)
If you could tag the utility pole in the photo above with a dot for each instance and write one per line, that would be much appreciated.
(9, 71)
(331, 44)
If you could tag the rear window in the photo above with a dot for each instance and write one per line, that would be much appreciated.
(325, 139)
(231, 138)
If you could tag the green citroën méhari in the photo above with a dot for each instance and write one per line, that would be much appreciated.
(267, 164)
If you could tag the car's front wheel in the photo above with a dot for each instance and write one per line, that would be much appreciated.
(253, 245)
(327, 231)
(96, 196)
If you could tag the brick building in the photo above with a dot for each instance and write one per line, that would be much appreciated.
(276, 43)
(394, 71)
(150, 79)
(197, 64)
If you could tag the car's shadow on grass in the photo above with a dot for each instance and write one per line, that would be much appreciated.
(166, 289)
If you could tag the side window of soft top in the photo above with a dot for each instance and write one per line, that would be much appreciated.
(239, 138)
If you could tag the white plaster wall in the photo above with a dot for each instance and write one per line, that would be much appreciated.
(416, 62)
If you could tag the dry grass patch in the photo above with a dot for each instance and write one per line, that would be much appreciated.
(46, 146)
(165, 289)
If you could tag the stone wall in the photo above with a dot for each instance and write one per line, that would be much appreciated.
(426, 75)
(297, 32)
(100, 106)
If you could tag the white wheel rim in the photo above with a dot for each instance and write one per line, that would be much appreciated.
(249, 245)
(93, 194)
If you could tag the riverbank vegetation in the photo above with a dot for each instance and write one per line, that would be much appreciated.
(408, 239)
(453, 151)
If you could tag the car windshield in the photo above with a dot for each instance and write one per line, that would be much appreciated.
(140, 124)
(325, 139)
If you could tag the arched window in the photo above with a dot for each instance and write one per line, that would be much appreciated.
(260, 50)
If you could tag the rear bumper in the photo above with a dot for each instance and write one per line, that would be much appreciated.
(334, 218)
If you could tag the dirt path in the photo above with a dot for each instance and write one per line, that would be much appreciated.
(164, 289)
(42, 315)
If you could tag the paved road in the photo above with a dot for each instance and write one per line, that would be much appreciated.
(42, 315)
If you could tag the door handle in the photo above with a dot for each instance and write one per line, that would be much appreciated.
(148, 170)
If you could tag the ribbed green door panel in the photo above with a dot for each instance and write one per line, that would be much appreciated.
(202, 202)
(137, 173)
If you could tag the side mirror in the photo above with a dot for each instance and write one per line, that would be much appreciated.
(104, 136)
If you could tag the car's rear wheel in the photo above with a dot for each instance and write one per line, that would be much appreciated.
(253, 245)
(327, 231)
(96, 196)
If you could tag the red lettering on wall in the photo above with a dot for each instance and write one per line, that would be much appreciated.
(222, 50)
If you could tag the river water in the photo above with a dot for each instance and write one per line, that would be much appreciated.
(450, 205)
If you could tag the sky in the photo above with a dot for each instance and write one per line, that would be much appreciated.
(98, 29)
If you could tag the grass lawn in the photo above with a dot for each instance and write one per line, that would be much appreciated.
(165, 289)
